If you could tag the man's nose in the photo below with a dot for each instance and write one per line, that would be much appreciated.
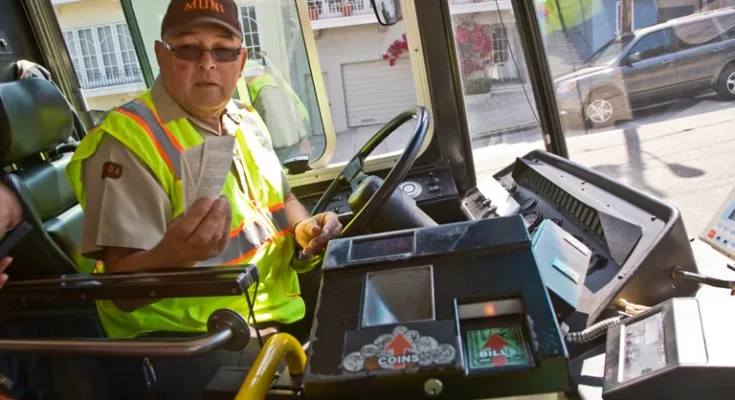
(206, 60)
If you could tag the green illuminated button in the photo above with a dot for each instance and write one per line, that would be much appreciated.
(496, 347)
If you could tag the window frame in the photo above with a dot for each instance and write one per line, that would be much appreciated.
(721, 36)
(131, 49)
(500, 35)
(259, 32)
(97, 45)
(322, 170)
(671, 45)
(725, 29)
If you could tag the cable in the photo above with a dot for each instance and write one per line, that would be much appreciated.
(252, 311)
(518, 70)
(680, 273)
(591, 333)
(631, 308)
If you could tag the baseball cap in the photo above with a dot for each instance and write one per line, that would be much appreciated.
(184, 13)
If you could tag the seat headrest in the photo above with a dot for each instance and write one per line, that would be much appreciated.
(34, 118)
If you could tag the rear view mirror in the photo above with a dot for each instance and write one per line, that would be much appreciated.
(388, 12)
(635, 57)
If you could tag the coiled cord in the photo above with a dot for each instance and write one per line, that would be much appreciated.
(591, 333)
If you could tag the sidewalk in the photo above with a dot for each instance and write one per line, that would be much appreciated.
(504, 110)
(685, 161)
(502, 116)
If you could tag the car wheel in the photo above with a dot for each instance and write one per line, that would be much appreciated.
(603, 109)
(725, 86)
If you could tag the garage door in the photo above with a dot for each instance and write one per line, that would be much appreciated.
(375, 92)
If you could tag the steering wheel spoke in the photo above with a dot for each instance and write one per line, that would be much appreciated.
(357, 180)
(353, 172)
(353, 169)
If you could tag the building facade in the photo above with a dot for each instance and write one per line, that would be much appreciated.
(350, 44)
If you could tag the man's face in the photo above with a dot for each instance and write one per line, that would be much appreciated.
(204, 86)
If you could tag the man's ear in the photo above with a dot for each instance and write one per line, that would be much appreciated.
(161, 53)
(244, 53)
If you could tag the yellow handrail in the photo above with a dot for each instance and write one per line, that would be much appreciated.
(264, 369)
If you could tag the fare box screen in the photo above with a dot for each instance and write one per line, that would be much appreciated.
(382, 247)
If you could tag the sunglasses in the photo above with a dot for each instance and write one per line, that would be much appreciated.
(187, 52)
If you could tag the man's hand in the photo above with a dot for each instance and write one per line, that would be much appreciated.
(313, 233)
(10, 216)
(4, 264)
(10, 211)
(199, 234)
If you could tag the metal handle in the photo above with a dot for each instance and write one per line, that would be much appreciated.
(227, 329)
(263, 371)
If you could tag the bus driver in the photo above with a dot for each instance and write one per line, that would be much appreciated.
(127, 175)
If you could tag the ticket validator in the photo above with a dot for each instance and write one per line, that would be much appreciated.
(454, 311)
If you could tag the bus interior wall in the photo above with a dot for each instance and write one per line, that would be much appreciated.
(17, 35)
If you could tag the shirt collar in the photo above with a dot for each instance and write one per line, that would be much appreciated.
(169, 110)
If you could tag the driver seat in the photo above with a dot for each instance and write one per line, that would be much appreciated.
(35, 129)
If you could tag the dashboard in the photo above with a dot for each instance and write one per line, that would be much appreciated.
(635, 239)
(433, 190)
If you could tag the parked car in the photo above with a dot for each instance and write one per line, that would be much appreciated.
(654, 65)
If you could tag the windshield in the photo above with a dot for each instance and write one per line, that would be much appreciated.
(323, 74)
(610, 51)
(657, 124)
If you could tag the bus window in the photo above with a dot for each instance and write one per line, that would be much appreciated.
(323, 74)
(645, 90)
(101, 49)
(658, 103)
(499, 103)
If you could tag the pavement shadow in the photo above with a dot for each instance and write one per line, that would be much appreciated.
(684, 107)
(681, 170)
(635, 160)
(635, 171)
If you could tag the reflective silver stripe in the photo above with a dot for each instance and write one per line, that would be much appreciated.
(137, 108)
(280, 219)
(245, 242)
(249, 239)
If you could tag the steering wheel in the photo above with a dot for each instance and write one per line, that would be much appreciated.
(353, 172)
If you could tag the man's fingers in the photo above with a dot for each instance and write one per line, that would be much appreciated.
(189, 222)
(4, 262)
(320, 242)
(335, 233)
(15, 215)
(331, 224)
(225, 233)
(12, 213)
(329, 228)
(312, 227)
(210, 228)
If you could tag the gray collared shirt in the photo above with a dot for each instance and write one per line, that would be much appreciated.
(133, 210)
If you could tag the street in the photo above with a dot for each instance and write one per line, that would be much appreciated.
(681, 153)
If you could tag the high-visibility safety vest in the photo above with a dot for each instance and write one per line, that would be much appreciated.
(256, 83)
(260, 231)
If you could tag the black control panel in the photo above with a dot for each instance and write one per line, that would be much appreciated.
(425, 187)
(635, 239)
(489, 199)
(456, 307)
